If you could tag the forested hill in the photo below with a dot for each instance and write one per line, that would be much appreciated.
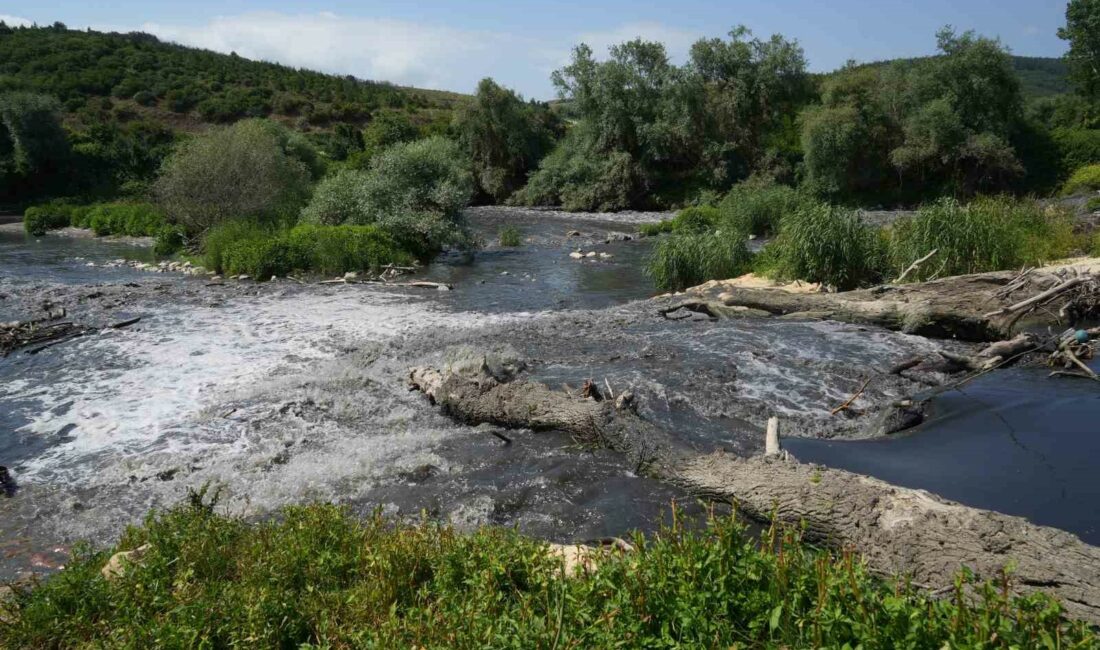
(188, 86)
(1039, 76)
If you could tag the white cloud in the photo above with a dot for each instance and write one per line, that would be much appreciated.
(677, 41)
(15, 21)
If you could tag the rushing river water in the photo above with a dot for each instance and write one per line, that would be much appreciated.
(282, 393)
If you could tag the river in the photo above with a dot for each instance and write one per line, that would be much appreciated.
(281, 393)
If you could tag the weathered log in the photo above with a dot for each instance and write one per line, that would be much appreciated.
(967, 307)
(904, 531)
(899, 530)
(472, 394)
(1010, 348)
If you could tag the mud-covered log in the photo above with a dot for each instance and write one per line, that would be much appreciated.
(472, 394)
(904, 531)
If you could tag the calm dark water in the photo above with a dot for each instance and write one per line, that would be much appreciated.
(1015, 441)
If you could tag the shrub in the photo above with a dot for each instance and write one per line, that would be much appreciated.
(690, 258)
(1077, 147)
(39, 219)
(1085, 179)
(428, 175)
(260, 251)
(759, 208)
(169, 241)
(831, 245)
(339, 198)
(985, 235)
(510, 236)
(132, 219)
(315, 576)
(250, 170)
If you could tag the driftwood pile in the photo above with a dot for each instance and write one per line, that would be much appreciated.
(39, 332)
(42, 333)
(981, 307)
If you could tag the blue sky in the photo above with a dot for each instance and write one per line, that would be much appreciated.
(450, 45)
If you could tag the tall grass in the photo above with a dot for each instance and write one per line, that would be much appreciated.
(687, 259)
(317, 577)
(988, 234)
(758, 208)
(510, 237)
(827, 244)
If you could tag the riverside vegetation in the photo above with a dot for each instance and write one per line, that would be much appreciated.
(345, 175)
(319, 577)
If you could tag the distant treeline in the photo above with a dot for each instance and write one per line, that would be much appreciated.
(94, 115)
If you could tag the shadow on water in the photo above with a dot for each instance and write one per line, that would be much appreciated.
(1015, 442)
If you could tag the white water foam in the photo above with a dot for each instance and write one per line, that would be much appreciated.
(142, 390)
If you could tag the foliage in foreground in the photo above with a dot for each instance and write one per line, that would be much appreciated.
(316, 576)
(261, 251)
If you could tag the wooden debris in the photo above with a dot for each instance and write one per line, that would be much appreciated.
(771, 437)
(902, 366)
(851, 400)
(914, 266)
(1040, 298)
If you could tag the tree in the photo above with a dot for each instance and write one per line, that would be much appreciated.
(250, 170)
(1082, 30)
(504, 138)
(752, 87)
(34, 149)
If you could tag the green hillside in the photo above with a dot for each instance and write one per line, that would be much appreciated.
(187, 87)
(1039, 76)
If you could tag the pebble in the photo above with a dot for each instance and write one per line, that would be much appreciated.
(590, 254)
(576, 255)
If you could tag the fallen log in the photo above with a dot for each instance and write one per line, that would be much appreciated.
(472, 393)
(902, 531)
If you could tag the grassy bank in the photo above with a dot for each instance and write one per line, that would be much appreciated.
(818, 242)
(317, 577)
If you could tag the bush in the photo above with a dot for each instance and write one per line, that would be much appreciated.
(339, 198)
(428, 175)
(39, 219)
(132, 219)
(831, 245)
(251, 170)
(690, 258)
(1077, 147)
(510, 236)
(238, 248)
(759, 208)
(315, 576)
(1085, 179)
(581, 179)
(169, 241)
(985, 235)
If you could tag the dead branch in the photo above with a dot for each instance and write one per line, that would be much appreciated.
(846, 405)
(914, 266)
